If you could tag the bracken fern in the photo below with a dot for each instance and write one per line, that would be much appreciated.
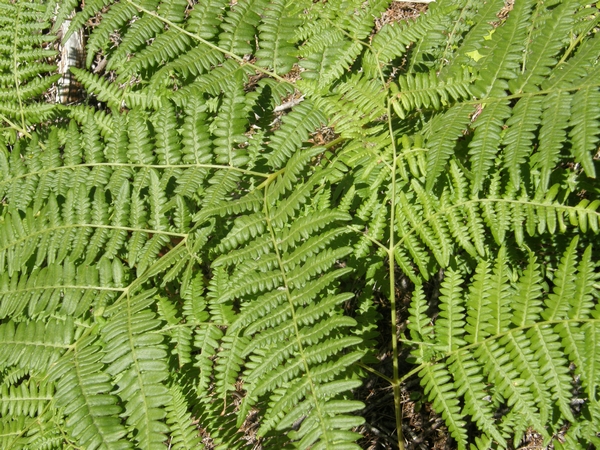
(198, 244)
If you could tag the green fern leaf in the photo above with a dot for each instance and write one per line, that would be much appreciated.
(499, 295)
(295, 129)
(133, 348)
(34, 344)
(450, 326)
(546, 45)
(557, 305)
(276, 32)
(435, 380)
(501, 371)
(442, 135)
(83, 389)
(553, 367)
(469, 382)
(520, 134)
(26, 52)
(584, 132)
(505, 48)
(327, 65)
(526, 300)
(115, 18)
(231, 125)
(427, 91)
(478, 304)
(419, 322)
(488, 129)
(552, 135)
(184, 434)
(239, 27)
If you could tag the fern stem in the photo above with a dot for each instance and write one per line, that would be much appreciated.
(335, 142)
(411, 373)
(392, 293)
(377, 373)
(270, 178)
(191, 325)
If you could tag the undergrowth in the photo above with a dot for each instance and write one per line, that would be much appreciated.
(209, 243)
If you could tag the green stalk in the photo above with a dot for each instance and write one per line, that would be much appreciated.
(392, 296)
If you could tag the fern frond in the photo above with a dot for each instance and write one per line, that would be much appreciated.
(553, 367)
(584, 132)
(184, 434)
(575, 68)
(231, 125)
(29, 398)
(190, 64)
(356, 103)
(483, 17)
(444, 130)
(478, 304)
(323, 67)
(501, 371)
(132, 347)
(239, 27)
(425, 90)
(519, 136)
(505, 47)
(450, 327)
(488, 130)
(204, 247)
(83, 395)
(147, 27)
(538, 349)
(103, 89)
(165, 47)
(435, 380)
(90, 9)
(499, 295)
(557, 305)
(295, 129)
(220, 79)
(114, 19)
(276, 33)
(24, 56)
(393, 39)
(526, 298)
(552, 135)
(418, 322)
(470, 383)
(34, 344)
(546, 45)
